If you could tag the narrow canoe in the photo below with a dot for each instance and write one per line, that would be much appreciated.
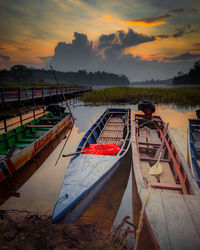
(194, 148)
(27, 140)
(172, 209)
(88, 174)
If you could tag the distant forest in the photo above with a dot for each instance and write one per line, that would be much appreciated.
(22, 74)
(193, 77)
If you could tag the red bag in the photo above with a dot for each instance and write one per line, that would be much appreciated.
(103, 149)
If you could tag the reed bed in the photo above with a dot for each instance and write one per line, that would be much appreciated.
(177, 96)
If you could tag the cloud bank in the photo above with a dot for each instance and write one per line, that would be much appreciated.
(107, 54)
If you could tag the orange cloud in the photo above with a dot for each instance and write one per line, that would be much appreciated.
(107, 18)
(143, 23)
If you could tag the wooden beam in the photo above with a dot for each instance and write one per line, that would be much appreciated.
(153, 159)
(166, 186)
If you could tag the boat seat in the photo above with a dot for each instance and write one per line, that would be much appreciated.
(26, 140)
(21, 145)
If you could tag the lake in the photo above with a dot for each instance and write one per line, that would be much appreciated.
(41, 183)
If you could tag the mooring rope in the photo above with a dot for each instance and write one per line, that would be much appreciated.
(140, 224)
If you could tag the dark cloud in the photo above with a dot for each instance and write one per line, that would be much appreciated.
(76, 55)
(169, 4)
(183, 57)
(177, 11)
(193, 11)
(114, 44)
(153, 19)
(2, 48)
(179, 32)
(5, 58)
(163, 36)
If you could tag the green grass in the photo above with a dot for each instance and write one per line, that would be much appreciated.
(178, 96)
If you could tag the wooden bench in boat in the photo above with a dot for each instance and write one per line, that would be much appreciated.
(167, 181)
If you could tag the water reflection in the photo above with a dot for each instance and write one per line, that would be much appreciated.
(39, 192)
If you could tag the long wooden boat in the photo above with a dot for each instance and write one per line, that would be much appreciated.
(172, 209)
(194, 148)
(87, 174)
(21, 144)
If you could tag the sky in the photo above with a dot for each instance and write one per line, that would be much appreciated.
(143, 39)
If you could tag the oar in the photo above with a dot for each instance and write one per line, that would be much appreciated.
(76, 153)
(157, 169)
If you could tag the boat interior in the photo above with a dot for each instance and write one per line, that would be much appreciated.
(153, 142)
(112, 127)
(20, 137)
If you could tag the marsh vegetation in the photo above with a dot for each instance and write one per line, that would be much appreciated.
(178, 96)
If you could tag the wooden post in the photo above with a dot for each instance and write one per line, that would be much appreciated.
(5, 125)
(2, 95)
(34, 114)
(19, 95)
(20, 117)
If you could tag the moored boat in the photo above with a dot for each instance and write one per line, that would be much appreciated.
(101, 152)
(21, 144)
(160, 170)
(194, 148)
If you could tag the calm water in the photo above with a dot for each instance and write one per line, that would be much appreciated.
(39, 192)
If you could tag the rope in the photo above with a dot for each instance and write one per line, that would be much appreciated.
(140, 224)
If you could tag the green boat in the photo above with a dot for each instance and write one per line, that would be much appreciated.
(21, 144)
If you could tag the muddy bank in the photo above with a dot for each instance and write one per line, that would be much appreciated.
(25, 230)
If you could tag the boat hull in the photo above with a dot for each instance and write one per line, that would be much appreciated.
(194, 148)
(10, 165)
(87, 175)
(171, 212)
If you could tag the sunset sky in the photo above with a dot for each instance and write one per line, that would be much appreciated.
(142, 39)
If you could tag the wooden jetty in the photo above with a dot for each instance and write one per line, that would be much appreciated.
(173, 205)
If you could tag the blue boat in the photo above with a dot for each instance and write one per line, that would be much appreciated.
(194, 148)
(103, 149)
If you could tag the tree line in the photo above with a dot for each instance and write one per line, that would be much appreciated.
(22, 74)
(193, 77)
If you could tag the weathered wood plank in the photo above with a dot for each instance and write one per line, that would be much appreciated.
(193, 203)
(181, 228)
(167, 176)
(157, 220)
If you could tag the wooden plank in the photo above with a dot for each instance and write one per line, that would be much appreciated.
(40, 126)
(154, 137)
(166, 186)
(145, 170)
(167, 176)
(181, 228)
(193, 203)
(157, 219)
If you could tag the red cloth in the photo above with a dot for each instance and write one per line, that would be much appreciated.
(103, 149)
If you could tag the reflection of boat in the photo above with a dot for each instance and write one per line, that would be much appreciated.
(194, 147)
(10, 186)
(19, 145)
(172, 209)
(87, 174)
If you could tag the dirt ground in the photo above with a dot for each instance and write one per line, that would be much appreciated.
(25, 230)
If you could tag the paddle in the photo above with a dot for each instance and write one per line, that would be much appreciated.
(157, 169)
(76, 153)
